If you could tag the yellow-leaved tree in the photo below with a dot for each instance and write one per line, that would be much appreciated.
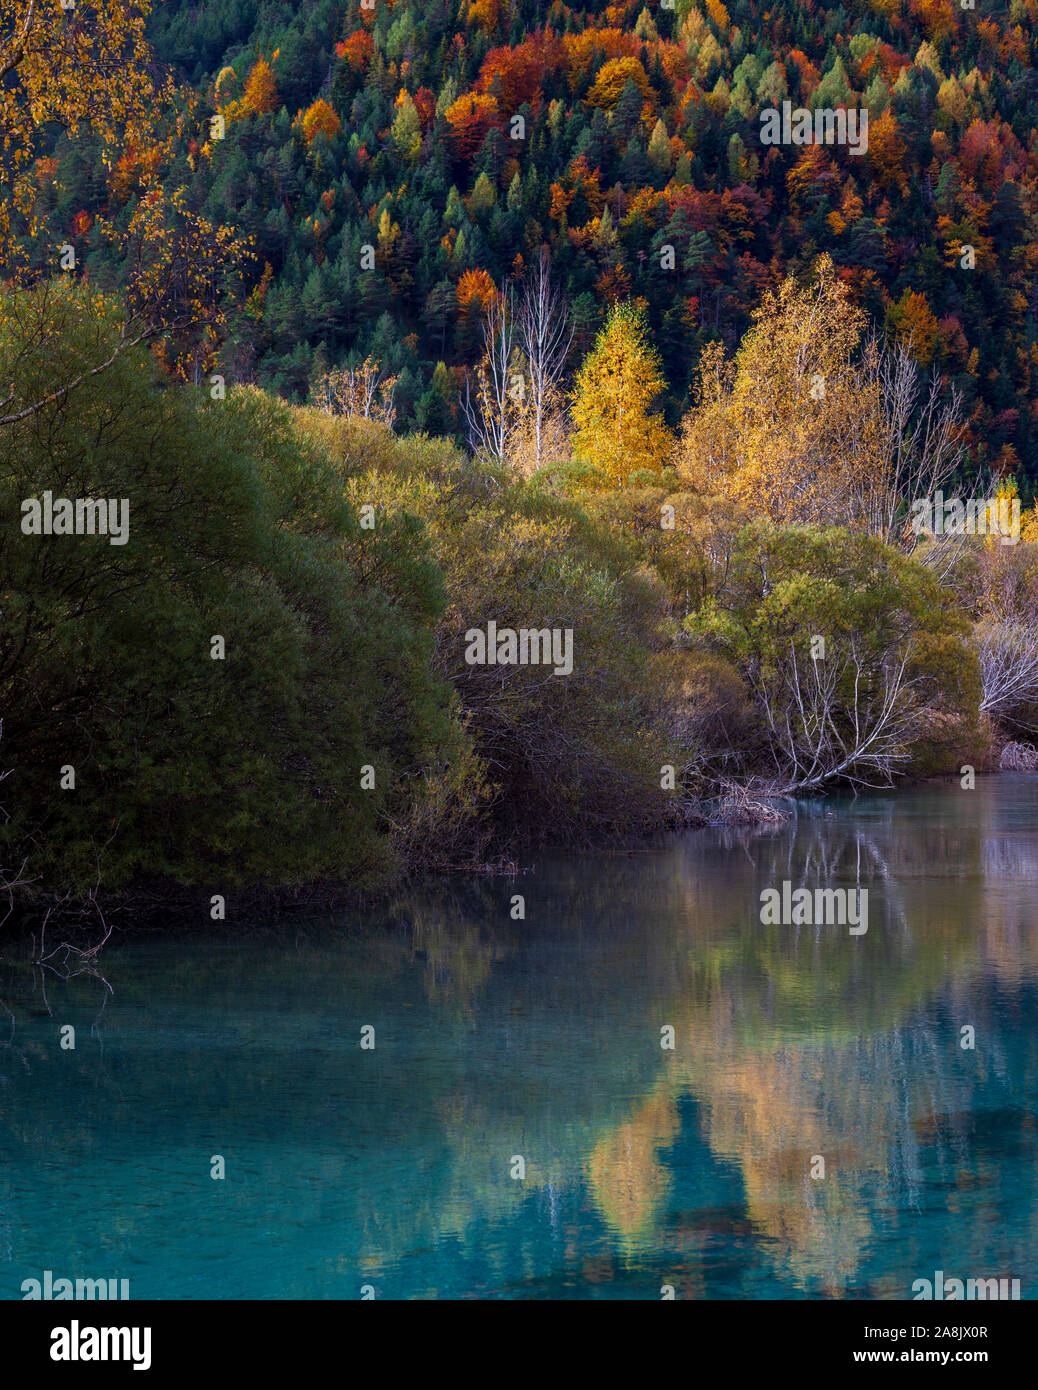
(90, 68)
(794, 426)
(617, 386)
(87, 67)
(817, 421)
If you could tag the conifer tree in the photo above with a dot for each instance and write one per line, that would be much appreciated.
(613, 399)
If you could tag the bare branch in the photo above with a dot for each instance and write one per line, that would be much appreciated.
(489, 410)
(17, 53)
(545, 337)
(821, 734)
(1008, 654)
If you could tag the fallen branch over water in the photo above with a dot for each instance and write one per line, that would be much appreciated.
(1019, 757)
(739, 804)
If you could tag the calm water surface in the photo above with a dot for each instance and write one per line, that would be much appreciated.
(541, 1038)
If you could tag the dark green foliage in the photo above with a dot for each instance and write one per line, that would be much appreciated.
(219, 772)
(565, 756)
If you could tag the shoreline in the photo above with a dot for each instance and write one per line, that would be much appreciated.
(267, 907)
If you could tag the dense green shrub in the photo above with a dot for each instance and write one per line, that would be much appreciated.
(894, 677)
(204, 771)
(565, 756)
(345, 569)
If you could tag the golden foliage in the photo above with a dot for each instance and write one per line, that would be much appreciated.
(886, 153)
(914, 324)
(260, 95)
(793, 426)
(484, 14)
(89, 67)
(614, 393)
(613, 77)
(581, 48)
(320, 118)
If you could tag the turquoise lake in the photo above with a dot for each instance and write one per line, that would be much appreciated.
(496, 1039)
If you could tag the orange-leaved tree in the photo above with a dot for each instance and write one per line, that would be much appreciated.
(320, 119)
(912, 322)
(260, 96)
(817, 422)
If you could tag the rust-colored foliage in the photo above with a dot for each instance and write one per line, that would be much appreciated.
(475, 290)
(469, 118)
(357, 49)
(515, 75)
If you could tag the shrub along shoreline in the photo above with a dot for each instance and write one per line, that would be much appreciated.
(268, 690)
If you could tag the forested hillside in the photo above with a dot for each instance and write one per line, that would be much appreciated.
(396, 163)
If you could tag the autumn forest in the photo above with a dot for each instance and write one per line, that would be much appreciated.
(396, 127)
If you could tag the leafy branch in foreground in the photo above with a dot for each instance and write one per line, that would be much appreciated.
(88, 67)
(91, 67)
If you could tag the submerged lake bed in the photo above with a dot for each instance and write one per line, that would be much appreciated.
(637, 1086)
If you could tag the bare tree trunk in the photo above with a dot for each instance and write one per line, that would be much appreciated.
(545, 338)
(922, 445)
(488, 412)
